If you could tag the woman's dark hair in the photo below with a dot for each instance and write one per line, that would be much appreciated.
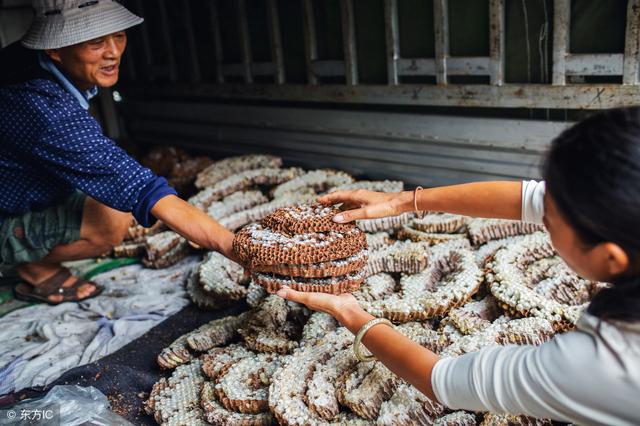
(592, 172)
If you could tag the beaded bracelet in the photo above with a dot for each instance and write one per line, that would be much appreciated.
(419, 213)
(357, 342)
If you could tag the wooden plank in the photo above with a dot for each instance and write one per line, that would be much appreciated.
(632, 44)
(496, 41)
(594, 64)
(310, 40)
(417, 66)
(441, 25)
(275, 39)
(582, 96)
(349, 41)
(393, 39)
(561, 27)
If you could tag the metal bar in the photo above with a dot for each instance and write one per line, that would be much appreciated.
(496, 41)
(328, 68)
(349, 42)
(417, 66)
(393, 39)
(146, 44)
(191, 42)
(594, 64)
(632, 44)
(217, 40)
(561, 26)
(245, 42)
(275, 39)
(459, 65)
(582, 96)
(441, 25)
(171, 60)
(310, 41)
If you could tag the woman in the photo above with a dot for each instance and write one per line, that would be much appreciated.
(591, 209)
(68, 192)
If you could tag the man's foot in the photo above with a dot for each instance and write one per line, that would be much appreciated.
(40, 277)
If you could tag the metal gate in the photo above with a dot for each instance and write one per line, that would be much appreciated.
(497, 93)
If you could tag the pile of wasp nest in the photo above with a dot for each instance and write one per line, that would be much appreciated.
(451, 283)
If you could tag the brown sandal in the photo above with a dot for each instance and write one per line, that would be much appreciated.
(53, 286)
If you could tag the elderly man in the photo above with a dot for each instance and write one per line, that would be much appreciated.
(68, 192)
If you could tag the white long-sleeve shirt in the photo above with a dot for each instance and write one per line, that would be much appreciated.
(590, 376)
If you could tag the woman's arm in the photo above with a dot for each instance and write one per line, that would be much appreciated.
(502, 200)
(193, 224)
(404, 357)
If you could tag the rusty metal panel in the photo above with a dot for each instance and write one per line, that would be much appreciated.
(459, 65)
(441, 25)
(349, 41)
(594, 64)
(579, 96)
(496, 41)
(417, 66)
(310, 40)
(392, 39)
(422, 149)
(529, 135)
(632, 44)
(561, 27)
(275, 39)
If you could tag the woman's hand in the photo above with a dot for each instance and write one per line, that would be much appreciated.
(343, 307)
(363, 204)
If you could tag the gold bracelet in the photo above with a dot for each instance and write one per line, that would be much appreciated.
(419, 213)
(357, 342)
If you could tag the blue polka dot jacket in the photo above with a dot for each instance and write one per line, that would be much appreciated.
(52, 146)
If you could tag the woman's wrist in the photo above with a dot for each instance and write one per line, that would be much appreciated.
(352, 316)
(403, 202)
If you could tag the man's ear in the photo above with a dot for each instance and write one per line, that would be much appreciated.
(617, 260)
(54, 54)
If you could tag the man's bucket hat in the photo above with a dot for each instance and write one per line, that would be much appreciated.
(61, 23)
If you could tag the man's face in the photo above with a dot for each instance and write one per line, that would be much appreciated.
(92, 63)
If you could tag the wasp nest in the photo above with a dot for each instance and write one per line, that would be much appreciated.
(222, 169)
(449, 281)
(315, 180)
(303, 248)
(529, 279)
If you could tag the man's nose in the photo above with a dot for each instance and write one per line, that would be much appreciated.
(113, 49)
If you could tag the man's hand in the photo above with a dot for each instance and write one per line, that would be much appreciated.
(225, 245)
